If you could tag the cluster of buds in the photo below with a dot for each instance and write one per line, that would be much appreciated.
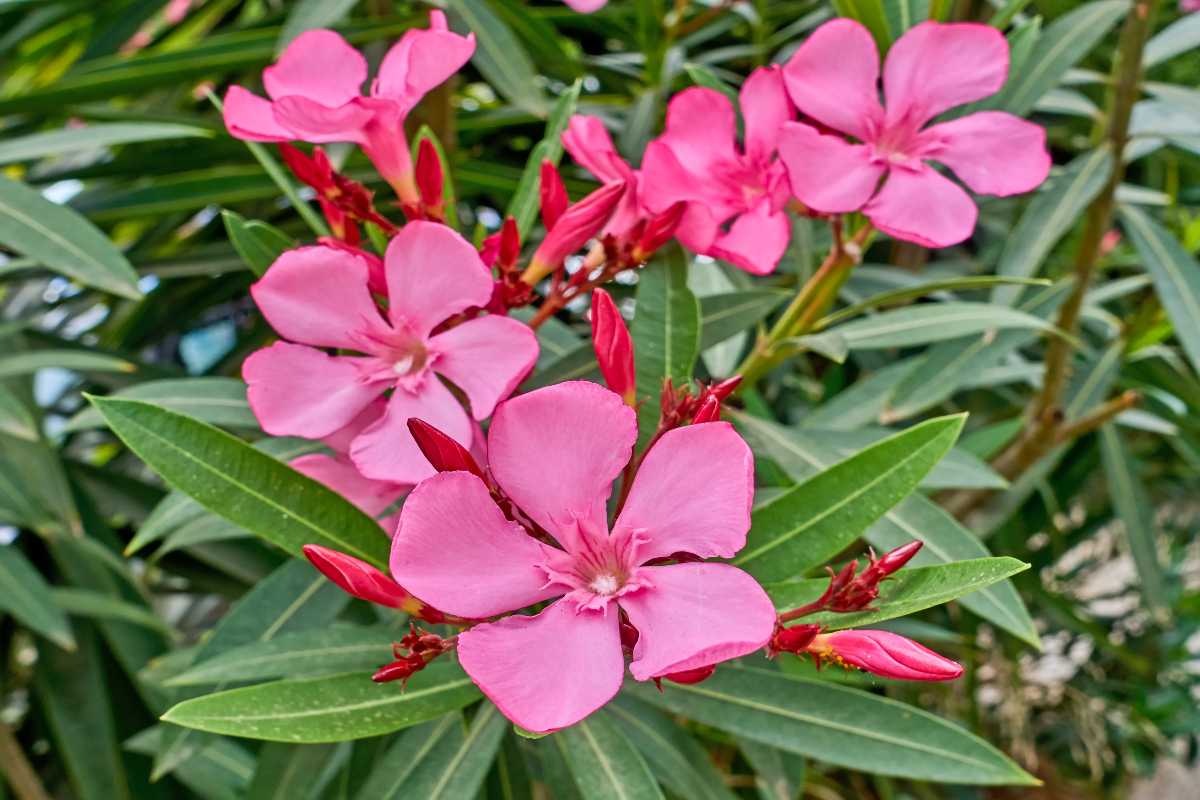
(882, 653)
(344, 202)
(848, 591)
(360, 579)
(502, 251)
(678, 406)
(412, 654)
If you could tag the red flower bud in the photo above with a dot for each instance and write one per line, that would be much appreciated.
(886, 654)
(692, 675)
(441, 450)
(510, 243)
(400, 670)
(722, 390)
(629, 635)
(709, 411)
(574, 228)
(553, 194)
(430, 181)
(357, 578)
(314, 171)
(614, 347)
(795, 639)
(659, 230)
(894, 560)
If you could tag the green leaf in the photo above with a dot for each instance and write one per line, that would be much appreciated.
(915, 518)
(703, 76)
(665, 331)
(1050, 216)
(604, 763)
(895, 296)
(907, 592)
(62, 240)
(779, 774)
(903, 14)
(291, 771)
(840, 726)
(221, 770)
(933, 322)
(958, 470)
(527, 199)
(1176, 276)
(32, 360)
(16, 419)
(406, 758)
(871, 14)
(727, 314)
(1063, 44)
(241, 484)
(68, 140)
(322, 651)
(219, 401)
(1181, 36)
(307, 15)
(455, 768)
(1136, 512)
(812, 522)
(25, 595)
(499, 55)
(95, 605)
(258, 243)
(327, 709)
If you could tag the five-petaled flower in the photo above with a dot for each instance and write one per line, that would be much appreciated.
(833, 78)
(735, 197)
(318, 297)
(555, 452)
(315, 91)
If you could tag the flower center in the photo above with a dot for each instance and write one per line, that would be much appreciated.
(410, 359)
(605, 584)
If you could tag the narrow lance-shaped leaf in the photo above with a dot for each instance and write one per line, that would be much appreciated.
(67, 140)
(25, 595)
(220, 401)
(524, 204)
(604, 763)
(933, 322)
(258, 243)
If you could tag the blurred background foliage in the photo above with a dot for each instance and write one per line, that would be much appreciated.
(105, 115)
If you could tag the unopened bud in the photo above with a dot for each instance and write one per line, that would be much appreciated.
(614, 347)
(692, 675)
(399, 670)
(315, 171)
(573, 229)
(441, 450)
(885, 654)
(510, 243)
(710, 411)
(795, 639)
(360, 579)
(553, 194)
(722, 390)
(659, 230)
(892, 561)
(430, 181)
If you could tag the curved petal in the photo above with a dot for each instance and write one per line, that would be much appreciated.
(296, 390)
(765, 109)
(546, 672)
(486, 357)
(923, 207)
(370, 497)
(834, 78)
(695, 615)
(385, 451)
(248, 116)
(586, 6)
(319, 296)
(320, 65)
(556, 452)
(421, 60)
(936, 66)
(692, 493)
(339, 441)
(701, 129)
(827, 173)
(755, 241)
(992, 152)
(312, 122)
(433, 274)
(589, 143)
(698, 228)
(665, 181)
(455, 550)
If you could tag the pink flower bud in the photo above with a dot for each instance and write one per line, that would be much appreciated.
(358, 578)
(554, 195)
(430, 181)
(614, 347)
(886, 654)
(894, 560)
(441, 450)
(709, 411)
(574, 228)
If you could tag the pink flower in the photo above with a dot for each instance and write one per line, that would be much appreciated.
(1188, 6)
(315, 95)
(934, 67)
(555, 453)
(337, 472)
(886, 654)
(588, 142)
(317, 297)
(586, 6)
(735, 198)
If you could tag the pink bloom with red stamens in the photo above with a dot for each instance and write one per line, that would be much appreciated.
(315, 95)
(555, 453)
(318, 297)
(834, 78)
(735, 196)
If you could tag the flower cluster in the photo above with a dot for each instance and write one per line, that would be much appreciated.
(393, 361)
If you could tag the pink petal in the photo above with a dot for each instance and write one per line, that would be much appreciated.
(455, 550)
(296, 390)
(370, 497)
(756, 240)
(936, 66)
(586, 6)
(385, 144)
(546, 672)
(248, 116)
(386, 451)
(765, 109)
(992, 152)
(313, 122)
(696, 615)
(692, 493)
(339, 441)
(890, 655)
(421, 60)
(698, 228)
(486, 357)
(923, 207)
(319, 65)
(319, 296)
(701, 129)
(556, 451)
(827, 173)
(588, 142)
(432, 274)
(833, 77)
